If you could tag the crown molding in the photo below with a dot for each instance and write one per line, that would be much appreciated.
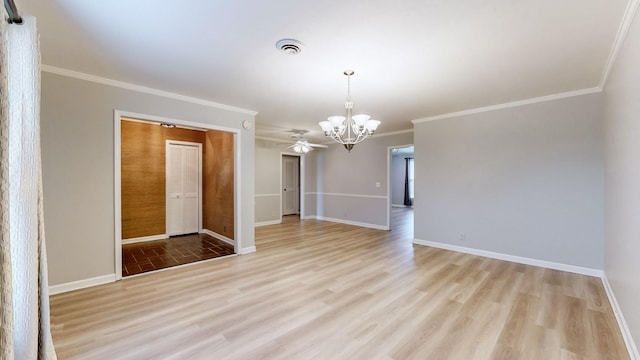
(393, 133)
(540, 99)
(273, 139)
(623, 30)
(142, 89)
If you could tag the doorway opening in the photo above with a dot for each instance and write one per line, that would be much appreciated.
(401, 197)
(292, 193)
(176, 198)
(290, 185)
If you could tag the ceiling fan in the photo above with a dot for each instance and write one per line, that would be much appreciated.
(302, 145)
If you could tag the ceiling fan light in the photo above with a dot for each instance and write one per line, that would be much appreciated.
(302, 147)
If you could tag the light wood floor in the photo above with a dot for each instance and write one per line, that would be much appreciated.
(321, 290)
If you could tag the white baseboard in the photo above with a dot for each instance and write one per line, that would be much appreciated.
(144, 238)
(247, 250)
(399, 205)
(513, 258)
(271, 222)
(355, 223)
(622, 324)
(81, 284)
(218, 236)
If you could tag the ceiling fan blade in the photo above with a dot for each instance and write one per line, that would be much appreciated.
(319, 145)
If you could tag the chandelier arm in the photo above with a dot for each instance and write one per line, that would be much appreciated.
(360, 138)
(335, 136)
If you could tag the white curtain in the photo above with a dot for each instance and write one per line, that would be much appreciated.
(25, 325)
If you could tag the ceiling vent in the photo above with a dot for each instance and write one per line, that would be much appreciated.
(289, 46)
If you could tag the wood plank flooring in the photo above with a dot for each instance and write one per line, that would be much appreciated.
(321, 290)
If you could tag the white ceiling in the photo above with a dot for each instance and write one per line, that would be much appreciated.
(412, 59)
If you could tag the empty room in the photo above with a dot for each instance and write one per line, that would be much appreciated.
(320, 180)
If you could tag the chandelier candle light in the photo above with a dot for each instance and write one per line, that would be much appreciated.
(352, 129)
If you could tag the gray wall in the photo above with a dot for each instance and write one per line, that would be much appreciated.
(268, 167)
(346, 181)
(312, 167)
(78, 169)
(268, 195)
(622, 166)
(397, 179)
(525, 181)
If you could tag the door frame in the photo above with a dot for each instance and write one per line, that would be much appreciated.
(389, 202)
(300, 180)
(166, 188)
(237, 138)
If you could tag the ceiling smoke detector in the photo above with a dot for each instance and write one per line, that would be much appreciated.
(289, 46)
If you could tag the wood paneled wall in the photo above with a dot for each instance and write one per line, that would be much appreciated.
(143, 175)
(218, 168)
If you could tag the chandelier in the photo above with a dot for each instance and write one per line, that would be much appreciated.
(352, 129)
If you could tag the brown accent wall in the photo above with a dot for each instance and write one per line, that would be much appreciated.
(143, 175)
(218, 184)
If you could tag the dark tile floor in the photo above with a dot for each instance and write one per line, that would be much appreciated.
(159, 254)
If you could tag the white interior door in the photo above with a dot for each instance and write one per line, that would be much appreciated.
(183, 188)
(290, 185)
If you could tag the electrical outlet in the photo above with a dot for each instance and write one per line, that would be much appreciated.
(377, 184)
(462, 237)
